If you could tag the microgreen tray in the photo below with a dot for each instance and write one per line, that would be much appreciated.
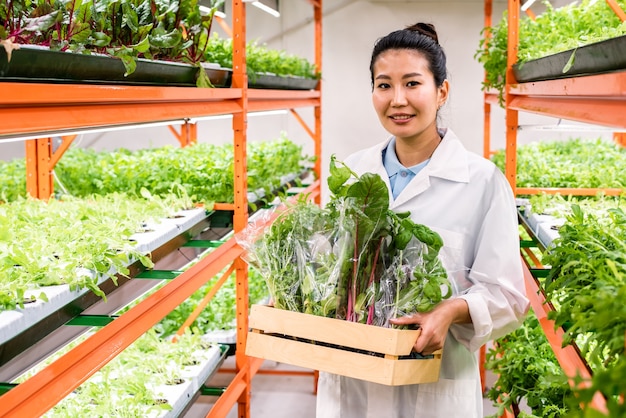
(600, 57)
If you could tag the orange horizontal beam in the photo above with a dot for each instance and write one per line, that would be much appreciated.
(45, 389)
(606, 85)
(569, 191)
(269, 104)
(267, 99)
(599, 111)
(262, 94)
(492, 98)
(66, 118)
(26, 94)
(223, 206)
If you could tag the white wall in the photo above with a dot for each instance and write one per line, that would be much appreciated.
(350, 28)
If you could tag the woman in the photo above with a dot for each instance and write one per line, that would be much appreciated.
(464, 198)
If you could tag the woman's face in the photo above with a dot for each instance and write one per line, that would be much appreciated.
(405, 96)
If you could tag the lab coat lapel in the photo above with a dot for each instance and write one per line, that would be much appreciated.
(449, 161)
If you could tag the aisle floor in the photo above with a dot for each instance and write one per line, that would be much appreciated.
(279, 395)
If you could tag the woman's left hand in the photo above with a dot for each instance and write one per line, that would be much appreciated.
(434, 325)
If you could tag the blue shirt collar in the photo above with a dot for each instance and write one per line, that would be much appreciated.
(393, 165)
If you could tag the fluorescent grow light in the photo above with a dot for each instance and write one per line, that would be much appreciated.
(268, 6)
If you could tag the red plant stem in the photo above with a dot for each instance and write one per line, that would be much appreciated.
(355, 265)
(68, 35)
(370, 313)
(376, 255)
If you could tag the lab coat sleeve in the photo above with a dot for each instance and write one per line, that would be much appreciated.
(497, 299)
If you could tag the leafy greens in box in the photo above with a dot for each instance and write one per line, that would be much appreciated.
(355, 259)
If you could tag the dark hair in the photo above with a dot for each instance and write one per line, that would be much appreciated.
(421, 37)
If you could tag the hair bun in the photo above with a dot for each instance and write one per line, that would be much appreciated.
(426, 29)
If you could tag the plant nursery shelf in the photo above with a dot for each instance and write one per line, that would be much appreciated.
(40, 109)
(597, 99)
(22, 328)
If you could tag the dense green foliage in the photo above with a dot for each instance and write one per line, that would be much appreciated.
(587, 282)
(137, 382)
(571, 163)
(555, 30)
(528, 371)
(202, 171)
(343, 260)
(72, 241)
(261, 59)
(173, 30)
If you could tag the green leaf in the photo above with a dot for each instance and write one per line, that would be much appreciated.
(203, 79)
(161, 38)
(142, 46)
(99, 39)
(338, 176)
(570, 62)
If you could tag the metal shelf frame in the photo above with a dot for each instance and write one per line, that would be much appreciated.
(595, 99)
(35, 112)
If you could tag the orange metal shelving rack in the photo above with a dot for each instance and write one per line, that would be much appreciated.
(596, 99)
(39, 111)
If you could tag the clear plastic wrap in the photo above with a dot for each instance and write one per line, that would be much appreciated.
(355, 259)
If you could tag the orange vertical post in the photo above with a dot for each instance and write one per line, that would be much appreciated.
(39, 182)
(188, 133)
(317, 15)
(40, 161)
(486, 153)
(240, 217)
(511, 115)
(620, 138)
(487, 105)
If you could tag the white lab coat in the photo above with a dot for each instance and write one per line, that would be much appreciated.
(467, 200)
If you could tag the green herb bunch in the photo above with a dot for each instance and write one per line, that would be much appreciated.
(527, 371)
(555, 30)
(355, 259)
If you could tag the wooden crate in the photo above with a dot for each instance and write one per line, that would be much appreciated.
(346, 348)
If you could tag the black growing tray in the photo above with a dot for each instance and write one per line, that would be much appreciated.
(31, 63)
(597, 58)
(271, 81)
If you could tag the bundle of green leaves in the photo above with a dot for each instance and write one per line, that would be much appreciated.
(527, 371)
(570, 163)
(355, 259)
(555, 30)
